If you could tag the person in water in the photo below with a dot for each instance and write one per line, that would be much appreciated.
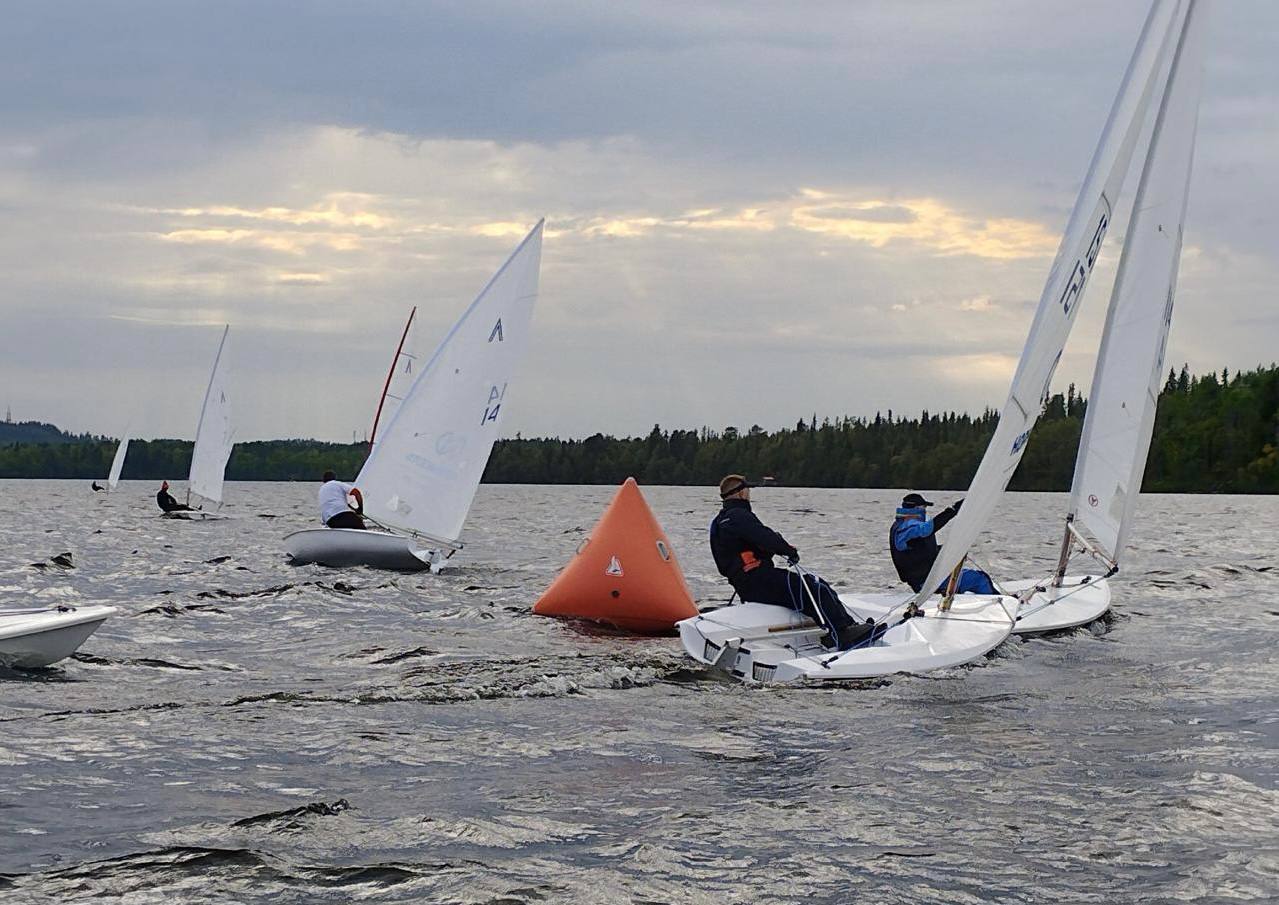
(913, 543)
(335, 511)
(744, 547)
(167, 502)
(97, 488)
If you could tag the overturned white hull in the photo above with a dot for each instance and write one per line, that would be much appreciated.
(1081, 599)
(344, 547)
(31, 638)
(766, 643)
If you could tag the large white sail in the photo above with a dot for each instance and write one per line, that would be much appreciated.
(117, 464)
(399, 380)
(1125, 390)
(422, 473)
(1064, 289)
(213, 439)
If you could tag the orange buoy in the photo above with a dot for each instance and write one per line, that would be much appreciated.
(625, 574)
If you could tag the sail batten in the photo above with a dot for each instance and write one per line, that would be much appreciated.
(425, 467)
(213, 435)
(1119, 421)
(1067, 281)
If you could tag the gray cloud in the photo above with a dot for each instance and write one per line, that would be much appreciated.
(755, 211)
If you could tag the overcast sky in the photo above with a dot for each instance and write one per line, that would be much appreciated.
(755, 211)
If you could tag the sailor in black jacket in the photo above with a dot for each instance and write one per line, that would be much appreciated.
(744, 548)
(912, 541)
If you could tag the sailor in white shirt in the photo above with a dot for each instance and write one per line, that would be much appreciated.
(334, 509)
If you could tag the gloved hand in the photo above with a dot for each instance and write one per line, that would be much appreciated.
(792, 556)
(954, 507)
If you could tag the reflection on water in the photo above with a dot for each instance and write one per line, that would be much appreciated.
(249, 731)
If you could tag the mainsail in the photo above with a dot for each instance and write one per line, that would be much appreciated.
(399, 380)
(117, 464)
(422, 474)
(213, 440)
(1125, 389)
(1064, 289)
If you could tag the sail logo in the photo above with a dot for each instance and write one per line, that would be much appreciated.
(1020, 442)
(1093, 501)
(614, 567)
(497, 331)
(1083, 267)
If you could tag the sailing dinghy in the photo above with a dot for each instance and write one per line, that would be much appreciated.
(769, 643)
(214, 441)
(440, 424)
(40, 636)
(117, 463)
(1125, 392)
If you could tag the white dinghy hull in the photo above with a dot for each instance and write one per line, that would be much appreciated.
(767, 643)
(32, 638)
(1080, 600)
(342, 547)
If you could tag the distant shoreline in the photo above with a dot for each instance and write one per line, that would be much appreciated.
(1216, 433)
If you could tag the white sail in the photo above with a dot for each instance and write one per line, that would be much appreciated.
(422, 474)
(117, 464)
(404, 370)
(1125, 390)
(1064, 289)
(213, 440)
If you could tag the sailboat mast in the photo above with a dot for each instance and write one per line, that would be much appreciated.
(390, 375)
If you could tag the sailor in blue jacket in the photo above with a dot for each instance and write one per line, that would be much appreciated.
(913, 543)
(744, 548)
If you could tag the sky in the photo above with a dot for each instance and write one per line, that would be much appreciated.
(755, 211)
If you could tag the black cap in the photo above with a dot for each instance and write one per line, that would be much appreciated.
(914, 501)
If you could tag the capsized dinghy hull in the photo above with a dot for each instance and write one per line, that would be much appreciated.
(31, 638)
(767, 643)
(1081, 599)
(344, 547)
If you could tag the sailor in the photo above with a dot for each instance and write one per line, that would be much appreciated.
(744, 548)
(167, 502)
(913, 543)
(97, 488)
(335, 511)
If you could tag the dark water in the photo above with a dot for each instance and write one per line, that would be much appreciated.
(247, 731)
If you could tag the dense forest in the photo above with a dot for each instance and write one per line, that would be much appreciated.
(1213, 433)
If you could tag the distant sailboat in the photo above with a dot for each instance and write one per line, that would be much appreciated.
(1125, 392)
(214, 439)
(117, 464)
(773, 643)
(399, 380)
(425, 464)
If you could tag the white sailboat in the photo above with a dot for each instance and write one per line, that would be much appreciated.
(1125, 391)
(117, 462)
(772, 643)
(425, 465)
(214, 440)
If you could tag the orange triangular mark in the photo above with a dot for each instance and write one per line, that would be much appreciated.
(649, 596)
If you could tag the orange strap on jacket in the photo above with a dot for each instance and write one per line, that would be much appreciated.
(749, 561)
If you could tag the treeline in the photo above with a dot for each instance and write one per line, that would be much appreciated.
(1213, 433)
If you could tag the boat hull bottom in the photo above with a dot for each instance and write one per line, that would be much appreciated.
(30, 640)
(765, 643)
(345, 547)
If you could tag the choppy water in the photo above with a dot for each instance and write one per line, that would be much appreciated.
(248, 731)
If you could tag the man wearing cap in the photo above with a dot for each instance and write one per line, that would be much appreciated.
(744, 548)
(913, 542)
(335, 511)
(167, 502)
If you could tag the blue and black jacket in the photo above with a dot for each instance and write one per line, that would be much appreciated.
(741, 543)
(913, 542)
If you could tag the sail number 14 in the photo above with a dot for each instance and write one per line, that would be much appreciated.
(494, 405)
